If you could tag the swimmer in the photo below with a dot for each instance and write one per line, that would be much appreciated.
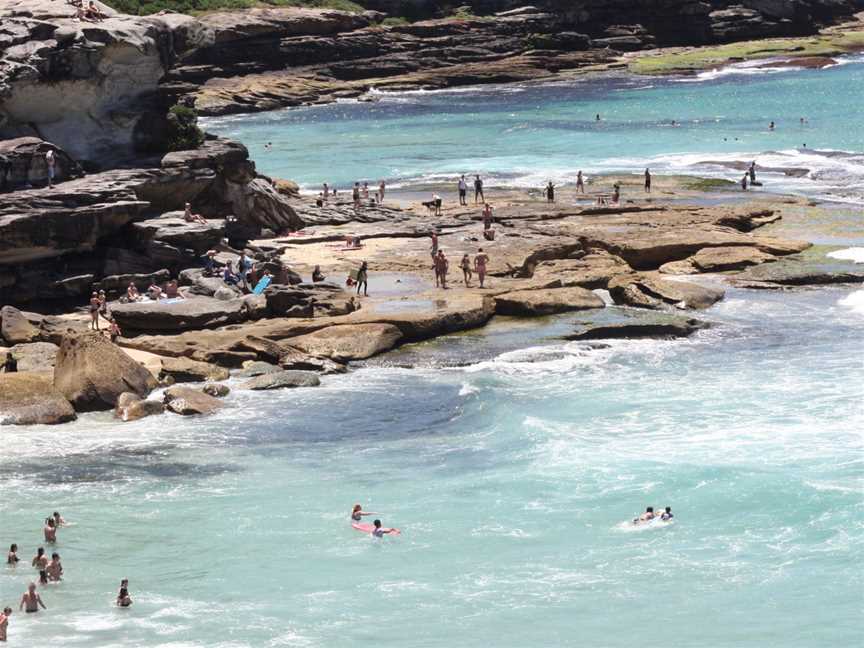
(4, 622)
(55, 568)
(50, 530)
(40, 562)
(771, 126)
(58, 520)
(667, 514)
(31, 601)
(12, 556)
(357, 513)
(123, 598)
(380, 532)
(647, 516)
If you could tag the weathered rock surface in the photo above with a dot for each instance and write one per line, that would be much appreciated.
(282, 379)
(184, 370)
(657, 326)
(197, 313)
(35, 356)
(216, 390)
(22, 163)
(532, 303)
(294, 359)
(651, 291)
(172, 228)
(15, 328)
(348, 342)
(188, 401)
(29, 399)
(258, 368)
(719, 259)
(91, 373)
(131, 407)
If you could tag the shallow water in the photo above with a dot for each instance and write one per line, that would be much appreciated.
(512, 462)
(526, 135)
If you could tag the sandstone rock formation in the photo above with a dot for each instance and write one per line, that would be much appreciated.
(29, 399)
(131, 407)
(657, 326)
(532, 303)
(91, 373)
(188, 401)
(185, 370)
(348, 342)
(282, 379)
(15, 328)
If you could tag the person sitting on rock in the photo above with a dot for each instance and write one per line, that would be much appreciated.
(11, 364)
(228, 275)
(171, 290)
(132, 294)
(94, 12)
(154, 292)
(317, 275)
(82, 15)
(113, 330)
(210, 263)
(189, 217)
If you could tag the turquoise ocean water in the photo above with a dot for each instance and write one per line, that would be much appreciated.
(511, 460)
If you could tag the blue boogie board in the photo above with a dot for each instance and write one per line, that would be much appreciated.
(262, 284)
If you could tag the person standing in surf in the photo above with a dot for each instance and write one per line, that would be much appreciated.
(31, 601)
(752, 172)
(4, 622)
(380, 532)
(478, 190)
(123, 598)
(647, 181)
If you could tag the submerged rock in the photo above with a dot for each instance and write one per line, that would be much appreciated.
(91, 373)
(131, 407)
(29, 399)
(655, 326)
(216, 390)
(283, 379)
(188, 401)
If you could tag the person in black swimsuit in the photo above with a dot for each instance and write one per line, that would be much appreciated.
(123, 598)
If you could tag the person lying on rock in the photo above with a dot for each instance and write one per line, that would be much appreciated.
(189, 217)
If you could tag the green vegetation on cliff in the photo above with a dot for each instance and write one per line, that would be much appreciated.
(183, 131)
(146, 7)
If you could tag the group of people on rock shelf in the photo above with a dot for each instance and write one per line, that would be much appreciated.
(50, 571)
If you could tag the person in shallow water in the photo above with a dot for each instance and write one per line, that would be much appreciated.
(4, 622)
(40, 562)
(380, 532)
(647, 516)
(357, 513)
(12, 556)
(50, 530)
(123, 598)
(55, 568)
(31, 601)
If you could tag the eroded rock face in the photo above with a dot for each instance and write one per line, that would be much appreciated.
(197, 313)
(347, 342)
(282, 380)
(185, 370)
(651, 291)
(91, 373)
(188, 401)
(14, 327)
(546, 302)
(29, 399)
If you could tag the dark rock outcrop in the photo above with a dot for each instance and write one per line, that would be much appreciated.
(657, 327)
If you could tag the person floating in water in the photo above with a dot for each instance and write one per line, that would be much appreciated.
(380, 532)
(357, 513)
(771, 126)
(597, 117)
(647, 181)
(123, 598)
(31, 601)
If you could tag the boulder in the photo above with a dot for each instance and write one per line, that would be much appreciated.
(651, 291)
(346, 342)
(172, 228)
(719, 259)
(283, 379)
(91, 373)
(131, 407)
(258, 368)
(657, 326)
(532, 303)
(36, 356)
(195, 313)
(184, 370)
(295, 359)
(267, 350)
(188, 401)
(216, 390)
(14, 327)
(30, 399)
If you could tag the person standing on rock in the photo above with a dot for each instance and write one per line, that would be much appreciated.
(326, 193)
(362, 278)
(478, 190)
(550, 192)
(465, 264)
(381, 188)
(752, 171)
(50, 162)
(442, 265)
(94, 311)
(647, 181)
(434, 236)
(355, 194)
(580, 183)
(463, 192)
(481, 259)
(365, 191)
